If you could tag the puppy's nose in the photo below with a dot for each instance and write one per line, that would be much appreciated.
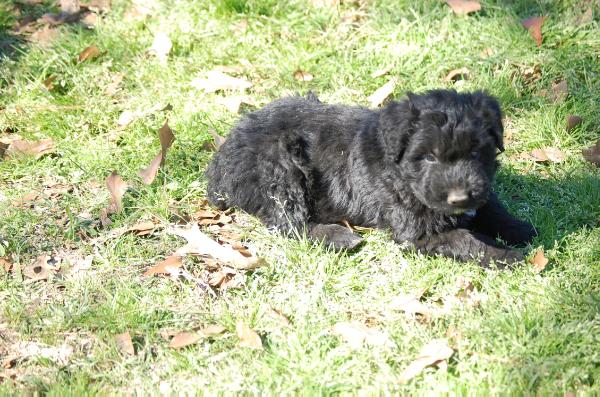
(458, 197)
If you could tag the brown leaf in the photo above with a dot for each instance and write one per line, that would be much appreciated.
(381, 72)
(534, 26)
(89, 20)
(218, 140)
(463, 7)
(219, 81)
(161, 46)
(165, 267)
(142, 228)
(44, 36)
(98, 6)
(411, 305)
(125, 344)
(117, 188)
(89, 53)
(6, 265)
(184, 339)
(235, 103)
(69, 6)
(166, 137)
(547, 154)
(573, 121)
(199, 243)
(302, 75)
(539, 261)
(30, 148)
(140, 9)
(113, 87)
(212, 330)
(457, 74)
(382, 93)
(248, 337)
(592, 154)
(559, 91)
(148, 174)
(586, 17)
(357, 335)
(435, 351)
(41, 269)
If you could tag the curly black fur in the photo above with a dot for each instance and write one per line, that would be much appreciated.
(419, 167)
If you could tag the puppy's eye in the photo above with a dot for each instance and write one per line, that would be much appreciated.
(430, 158)
(475, 155)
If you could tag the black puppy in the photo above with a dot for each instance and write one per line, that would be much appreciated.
(422, 167)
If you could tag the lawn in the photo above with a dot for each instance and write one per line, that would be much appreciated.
(64, 331)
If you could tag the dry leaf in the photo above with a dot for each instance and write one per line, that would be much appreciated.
(573, 121)
(235, 103)
(382, 93)
(302, 75)
(143, 228)
(140, 9)
(586, 17)
(113, 87)
(217, 81)
(44, 36)
(6, 265)
(592, 154)
(463, 7)
(125, 344)
(248, 337)
(117, 188)
(534, 26)
(547, 154)
(89, 20)
(559, 91)
(165, 267)
(41, 269)
(411, 305)
(148, 174)
(89, 53)
(218, 140)
(457, 74)
(30, 148)
(435, 351)
(357, 335)
(166, 137)
(539, 261)
(69, 6)
(381, 72)
(212, 330)
(161, 46)
(184, 339)
(199, 243)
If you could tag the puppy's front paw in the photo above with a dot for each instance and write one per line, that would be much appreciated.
(339, 237)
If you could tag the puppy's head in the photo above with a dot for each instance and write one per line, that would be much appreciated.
(445, 146)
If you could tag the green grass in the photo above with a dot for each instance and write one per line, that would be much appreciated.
(533, 334)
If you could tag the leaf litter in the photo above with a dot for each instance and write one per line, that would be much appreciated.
(247, 336)
(464, 7)
(539, 261)
(357, 335)
(380, 95)
(534, 26)
(216, 80)
(592, 154)
(436, 352)
(166, 138)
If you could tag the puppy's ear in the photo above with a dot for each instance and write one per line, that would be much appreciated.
(396, 125)
(490, 111)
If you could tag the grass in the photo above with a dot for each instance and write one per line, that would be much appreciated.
(532, 334)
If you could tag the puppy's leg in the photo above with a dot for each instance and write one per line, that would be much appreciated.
(494, 220)
(464, 245)
(338, 236)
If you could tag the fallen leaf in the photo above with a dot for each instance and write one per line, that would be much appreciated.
(6, 265)
(547, 154)
(49, 82)
(302, 75)
(357, 335)
(184, 339)
(235, 103)
(44, 36)
(559, 91)
(166, 138)
(161, 46)
(142, 228)
(488, 52)
(218, 140)
(59, 355)
(592, 154)
(117, 188)
(586, 17)
(534, 26)
(457, 74)
(98, 6)
(140, 9)
(212, 330)
(382, 93)
(89, 53)
(30, 148)
(41, 269)
(573, 121)
(248, 337)
(381, 72)
(199, 243)
(89, 20)
(411, 305)
(148, 174)
(434, 352)
(113, 87)
(539, 261)
(125, 344)
(463, 7)
(165, 267)
(219, 81)
(69, 6)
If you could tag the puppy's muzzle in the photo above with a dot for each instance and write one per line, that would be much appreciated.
(458, 198)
